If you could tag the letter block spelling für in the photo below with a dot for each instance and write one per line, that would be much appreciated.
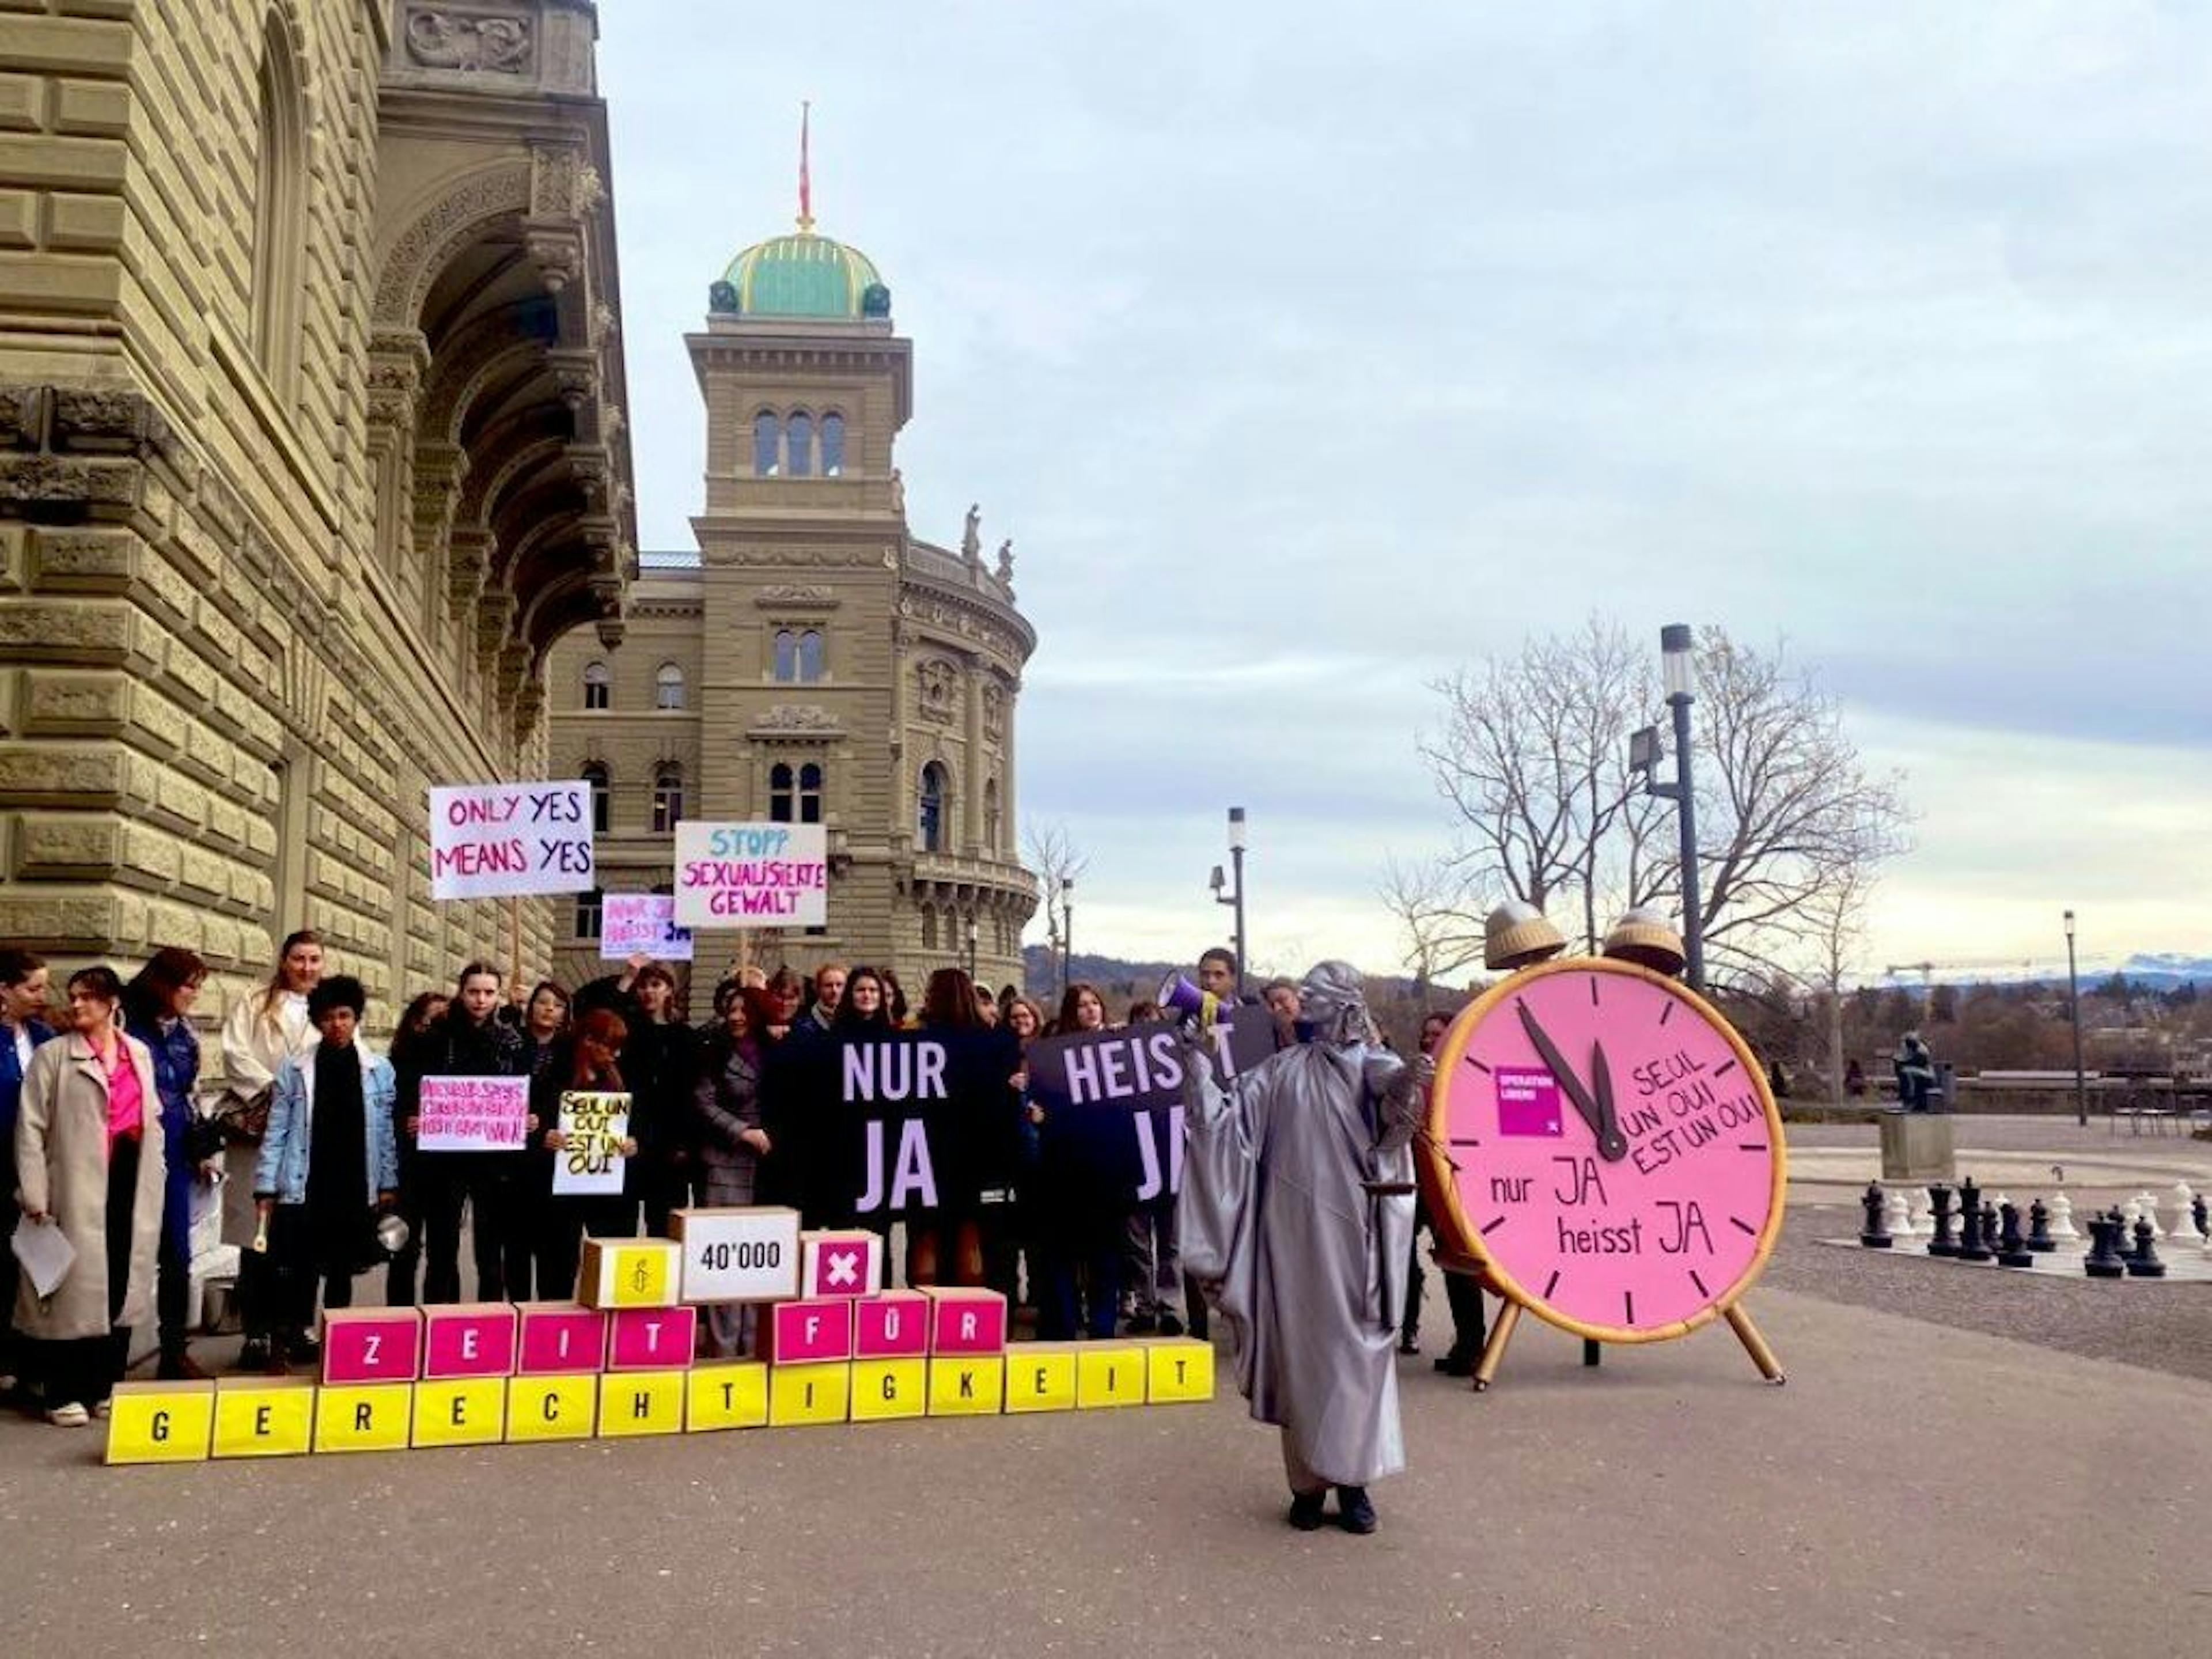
(802, 1333)
(892, 1326)
(966, 1322)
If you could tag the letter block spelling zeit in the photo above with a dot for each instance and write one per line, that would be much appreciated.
(651, 1338)
(892, 1326)
(738, 1255)
(371, 1345)
(265, 1416)
(839, 1264)
(469, 1338)
(628, 1273)
(160, 1422)
(806, 1332)
(551, 1407)
(562, 1337)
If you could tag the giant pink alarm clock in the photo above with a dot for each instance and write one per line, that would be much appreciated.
(1604, 1146)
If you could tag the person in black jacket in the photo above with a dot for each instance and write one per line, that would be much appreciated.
(470, 1040)
(410, 1044)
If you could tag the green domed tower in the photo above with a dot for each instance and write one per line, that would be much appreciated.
(801, 275)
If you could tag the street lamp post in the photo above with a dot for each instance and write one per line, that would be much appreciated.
(1679, 664)
(2074, 1009)
(971, 945)
(1235, 896)
(1066, 932)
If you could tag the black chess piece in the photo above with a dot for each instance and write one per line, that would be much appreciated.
(2038, 1228)
(2012, 1249)
(1973, 1241)
(1874, 1235)
(2103, 1261)
(2203, 1216)
(2144, 1263)
(1942, 1244)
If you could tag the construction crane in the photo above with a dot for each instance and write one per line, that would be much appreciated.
(2027, 967)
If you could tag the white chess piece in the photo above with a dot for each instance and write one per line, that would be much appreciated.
(2062, 1223)
(2184, 1215)
(1896, 1219)
(2148, 1207)
(1918, 1211)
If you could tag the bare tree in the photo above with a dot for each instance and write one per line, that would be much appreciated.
(1052, 852)
(1430, 905)
(1532, 758)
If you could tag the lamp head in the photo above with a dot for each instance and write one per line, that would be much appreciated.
(1217, 881)
(2069, 924)
(1644, 749)
(1236, 828)
(1678, 661)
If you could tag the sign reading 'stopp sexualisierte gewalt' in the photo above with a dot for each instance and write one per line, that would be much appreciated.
(633, 924)
(505, 840)
(751, 875)
(474, 1114)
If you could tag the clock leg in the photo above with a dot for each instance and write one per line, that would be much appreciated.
(1486, 1369)
(1755, 1344)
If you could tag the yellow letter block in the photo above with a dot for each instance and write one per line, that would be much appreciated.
(889, 1388)
(1109, 1374)
(264, 1416)
(1176, 1368)
(363, 1417)
(640, 1403)
(461, 1411)
(160, 1422)
(968, 1385)
(731, 1395)
(551, 1407)
(1041, 1376)
(814, 1393)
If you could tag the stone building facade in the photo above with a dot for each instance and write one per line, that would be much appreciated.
(310, 446)
(814, 661)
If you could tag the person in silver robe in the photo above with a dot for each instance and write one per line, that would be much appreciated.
(1297, 1215)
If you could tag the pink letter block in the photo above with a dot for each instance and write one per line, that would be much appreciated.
(962, 1322)
(371, 1345)
(840, 1263)
(560, 1337)
(468, 1338)
(651, 1338)
(795, 1332)
(892, 1326)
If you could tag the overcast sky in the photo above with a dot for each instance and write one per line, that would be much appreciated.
(1307, 351)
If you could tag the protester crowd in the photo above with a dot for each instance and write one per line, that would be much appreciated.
(111, 1127)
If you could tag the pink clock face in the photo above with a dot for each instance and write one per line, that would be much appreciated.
(1615, 1160)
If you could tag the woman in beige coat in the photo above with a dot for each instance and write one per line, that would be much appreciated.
(88, 1159)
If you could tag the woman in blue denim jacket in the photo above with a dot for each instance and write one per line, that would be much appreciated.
(329, 1163)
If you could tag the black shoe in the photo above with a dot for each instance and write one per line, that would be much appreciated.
(1354, 1512)
(302, 1349)
(1306, 1510)
(1141, 1325)
(1409, 1343)
(1171, 1326)
(1456, 1364)
(253, 1356)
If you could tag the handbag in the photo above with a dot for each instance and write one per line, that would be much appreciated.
(244, 1119)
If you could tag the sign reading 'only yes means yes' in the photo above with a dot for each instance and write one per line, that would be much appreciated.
(504, 840)
(634, 924)
(474, 1114)
(752, 875)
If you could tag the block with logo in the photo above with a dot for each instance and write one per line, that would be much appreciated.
(552, 1406)
(849, 1263)
(807, 1331)
(640, 1403)
(371, 1345)
(469, 1338)
(160, 1422)
(808, 1394)
(967, 1385)
(265, 1416)
(894, 1325)
(1109, 1374)
(651, 1338)
(460, 1411)
(738, 1255)
(883, 1388)
(965, 1322)
(729, 1394)
(1177, 1369)
(630, 1272)
(561, 1337)
(363, 1417)
(1041, 1376)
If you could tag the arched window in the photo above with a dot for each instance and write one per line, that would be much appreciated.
(929, 930)
(833, 446)
(779, 802)
(809, 657)
(767, 444)
(595, 773)
(667, 797)
(591, 908)
(799, 444)
(990, 815)
(787, 656)
(668, 687)
(809, 794)
(598, 686)
(934, 804)
(279, 208)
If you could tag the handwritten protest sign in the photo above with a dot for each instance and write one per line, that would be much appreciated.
(474, 1114)
(752, 875)
(593, 1127)
(496, 840)
(642, 923)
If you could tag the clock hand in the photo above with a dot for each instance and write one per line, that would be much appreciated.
(1549, 1052)
(1612, 1145)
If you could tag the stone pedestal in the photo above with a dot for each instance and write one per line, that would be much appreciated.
(1917, 1146)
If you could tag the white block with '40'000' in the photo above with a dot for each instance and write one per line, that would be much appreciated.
(739, 1255)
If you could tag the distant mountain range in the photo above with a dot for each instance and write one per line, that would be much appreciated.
(1040, 968)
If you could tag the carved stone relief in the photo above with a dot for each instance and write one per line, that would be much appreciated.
(472, 42)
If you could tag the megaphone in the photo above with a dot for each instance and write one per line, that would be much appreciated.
(1179, 995)
(391, 1235)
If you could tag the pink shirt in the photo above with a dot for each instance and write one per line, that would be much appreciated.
(126, 1100)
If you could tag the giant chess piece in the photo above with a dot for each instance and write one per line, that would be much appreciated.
(2103, 1261)
(2038, 1229)
(1973, 1239)
(2203, 1218)
(1916, 1213)
(1897, 1219)
(2148, 1211)
(1874, 1235)
(2144, 1263)
(2012, 1249)
(2063, 1232)
(1940, 1240)
(2127, 1215)
(2185, 1228)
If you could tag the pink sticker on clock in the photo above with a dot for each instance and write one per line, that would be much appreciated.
(1527, 1101)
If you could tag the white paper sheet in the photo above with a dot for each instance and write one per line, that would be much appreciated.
(44, 1251)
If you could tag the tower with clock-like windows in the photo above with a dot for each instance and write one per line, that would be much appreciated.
(813, 660)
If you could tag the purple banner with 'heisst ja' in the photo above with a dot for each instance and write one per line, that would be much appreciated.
(1527, 1101)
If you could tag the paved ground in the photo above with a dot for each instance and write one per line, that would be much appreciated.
(1925, 1485)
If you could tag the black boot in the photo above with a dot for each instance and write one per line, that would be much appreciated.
(1355, 1511)
(1306, 1509)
